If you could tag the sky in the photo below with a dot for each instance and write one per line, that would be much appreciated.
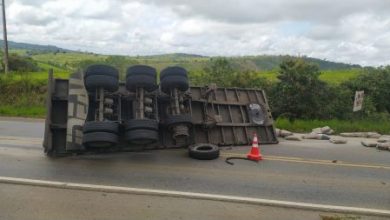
(349, 31)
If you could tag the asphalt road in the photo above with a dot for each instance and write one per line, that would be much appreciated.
(307, 171)
(61, 204)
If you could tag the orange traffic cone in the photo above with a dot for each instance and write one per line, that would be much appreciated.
(255, 153)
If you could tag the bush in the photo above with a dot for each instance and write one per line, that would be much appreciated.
(300, 93)
(22, 97)
(376, 84)
(19, 63)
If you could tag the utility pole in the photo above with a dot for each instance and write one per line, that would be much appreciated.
(5, 39)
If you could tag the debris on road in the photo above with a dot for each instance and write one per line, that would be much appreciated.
(338, 141)
(282, 133)
(361, 134)
(316, 136)
(383, 146)
(384, 139)
(293, 138)
(369, 143)
(204, 151)
(377, 144)
(324, 130)
(253, 155)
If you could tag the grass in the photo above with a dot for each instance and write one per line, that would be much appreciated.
(64, 59)
(339, 76)
(337, 217)
(330, 76)
(23, 111)
(270, 75)
(362, 125)
(32, 77)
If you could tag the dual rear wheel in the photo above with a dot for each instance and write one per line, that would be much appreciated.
(101, 133)
(142, 130)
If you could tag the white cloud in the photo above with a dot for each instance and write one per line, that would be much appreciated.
(353, 31)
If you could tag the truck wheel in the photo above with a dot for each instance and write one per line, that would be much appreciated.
(174, 82)
(148, 124)
(173, 71)
(203, 151)
(141, 136)
(141, 76)
(173, 120)
(100, 139)
(101, 76)
(100, 69)
(174, 77)
(101, 126)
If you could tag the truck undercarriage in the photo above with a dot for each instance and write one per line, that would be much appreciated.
(93, 112)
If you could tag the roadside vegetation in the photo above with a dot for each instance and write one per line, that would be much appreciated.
(303, 93)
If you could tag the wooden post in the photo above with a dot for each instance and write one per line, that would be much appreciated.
(5, 41)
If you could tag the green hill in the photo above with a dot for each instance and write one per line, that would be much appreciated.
(34, 47)
(65, 61)
(255, 63)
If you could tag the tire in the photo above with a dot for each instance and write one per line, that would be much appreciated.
(100, 139)
(101, 126)
(173, 71)
(141, 76)
(203, 151)
(141, 136)
(141, 70)
(106, 82)
(100, 69)
(173, 81)
(138, 81)
(148, 124)
(174, 77)
(173, 120)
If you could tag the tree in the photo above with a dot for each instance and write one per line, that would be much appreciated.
(19, 63)
(250, 79)
(219, 71)
(376, 84)
(299, 93)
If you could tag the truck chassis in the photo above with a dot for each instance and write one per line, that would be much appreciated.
(220, 116)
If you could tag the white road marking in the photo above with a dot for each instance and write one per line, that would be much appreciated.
(191, 195)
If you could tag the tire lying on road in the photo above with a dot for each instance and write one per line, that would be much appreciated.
(174, 77)
(141, 76)
(204, 151)
(141, 131)
(101, 76)
(100, 134)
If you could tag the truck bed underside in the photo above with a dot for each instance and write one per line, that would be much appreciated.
(221, 116)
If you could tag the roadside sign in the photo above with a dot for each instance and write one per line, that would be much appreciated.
(358, 103)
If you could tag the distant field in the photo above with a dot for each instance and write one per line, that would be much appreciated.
(339, 76)
(330, 76)
(64, 63)
(63, 58)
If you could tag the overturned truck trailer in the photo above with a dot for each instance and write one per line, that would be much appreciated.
(93, 111)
